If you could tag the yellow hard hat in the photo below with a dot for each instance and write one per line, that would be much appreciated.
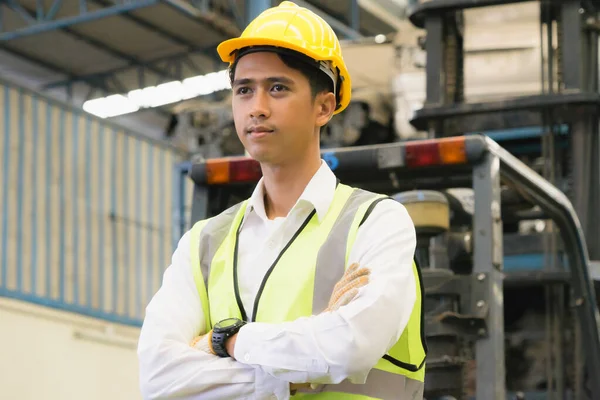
(289, 26)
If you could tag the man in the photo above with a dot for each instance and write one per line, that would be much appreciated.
(308, 288)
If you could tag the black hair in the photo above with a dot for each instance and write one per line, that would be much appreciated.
(319, 81)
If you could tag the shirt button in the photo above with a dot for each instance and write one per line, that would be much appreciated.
(247, 357)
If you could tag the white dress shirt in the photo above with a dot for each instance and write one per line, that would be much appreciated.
(326, 348)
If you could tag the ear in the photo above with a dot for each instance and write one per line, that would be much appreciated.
(325, 107)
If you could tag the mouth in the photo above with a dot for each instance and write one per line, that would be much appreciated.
(259, 131)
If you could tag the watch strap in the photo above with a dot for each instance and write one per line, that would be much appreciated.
(218, 341)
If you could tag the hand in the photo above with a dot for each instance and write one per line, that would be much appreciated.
(347, 288)
(230, 346)
(203, 343)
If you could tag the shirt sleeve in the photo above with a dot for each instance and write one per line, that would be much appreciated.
(170, 368)
(347, 343)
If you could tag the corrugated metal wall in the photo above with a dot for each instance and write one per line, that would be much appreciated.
(86, 209)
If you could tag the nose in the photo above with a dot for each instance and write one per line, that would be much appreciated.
(260, 105)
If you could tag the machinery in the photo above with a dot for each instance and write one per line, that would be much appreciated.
(459, 191)
(555, 132)
(503, 193)
(556, 127)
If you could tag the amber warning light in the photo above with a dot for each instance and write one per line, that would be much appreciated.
(229, 170)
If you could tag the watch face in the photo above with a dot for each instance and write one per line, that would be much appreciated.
(226, 323)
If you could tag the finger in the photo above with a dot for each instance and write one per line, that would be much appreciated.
(358, 273)
(341, 294)
(345, 298)
(195, 341)
(359, 280)
(338, 293)
(352, 285)
(361, 273)
(351, 275)
(351, 268)
(203, 343)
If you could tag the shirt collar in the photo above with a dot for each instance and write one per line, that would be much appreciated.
(318, 193)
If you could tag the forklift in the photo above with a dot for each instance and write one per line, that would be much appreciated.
(469, 195)
(460, 252)
(565, 150)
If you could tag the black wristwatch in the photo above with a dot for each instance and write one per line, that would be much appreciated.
(222, 331)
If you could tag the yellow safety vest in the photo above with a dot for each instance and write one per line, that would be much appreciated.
(300, 283)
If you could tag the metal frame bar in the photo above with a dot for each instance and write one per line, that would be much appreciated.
(49, 25)
(571, 44)
(96, 84)
(155, 28)
(558, 207)
(487, 265)
(182, 58)
(199, 14)
(133, 61)
(354, 15)
(434, 53)
(254, 8)
(39, 23)
(179, 222)
(336, 24)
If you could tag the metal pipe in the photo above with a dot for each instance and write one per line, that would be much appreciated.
(560, 209)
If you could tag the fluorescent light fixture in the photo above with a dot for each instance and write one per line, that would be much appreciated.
(156, 96)
(110, 106)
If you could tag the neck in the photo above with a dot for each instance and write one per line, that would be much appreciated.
(284, 184)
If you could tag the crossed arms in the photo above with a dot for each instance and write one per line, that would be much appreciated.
(327, 348)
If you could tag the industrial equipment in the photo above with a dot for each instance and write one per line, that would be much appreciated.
(466, 184)
(504, 197)
(557, 126)
(554, 131)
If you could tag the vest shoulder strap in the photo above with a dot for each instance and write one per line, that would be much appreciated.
(205, 238)
(361, 215)
(332, 258)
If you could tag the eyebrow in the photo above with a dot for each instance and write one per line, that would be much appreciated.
(271, 79)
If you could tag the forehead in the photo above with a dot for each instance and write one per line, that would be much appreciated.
(263, 64)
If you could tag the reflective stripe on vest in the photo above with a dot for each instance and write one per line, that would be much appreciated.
(379, 385)
(320, 269)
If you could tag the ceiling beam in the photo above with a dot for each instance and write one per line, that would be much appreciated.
(133, 61)
(217, 21)
(336, 24)
(177, 59)
(36, 26)
(155, 28)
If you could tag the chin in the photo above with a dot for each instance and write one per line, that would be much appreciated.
(264, 157)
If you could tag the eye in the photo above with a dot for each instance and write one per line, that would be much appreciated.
(278, 87)
(242, 90)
